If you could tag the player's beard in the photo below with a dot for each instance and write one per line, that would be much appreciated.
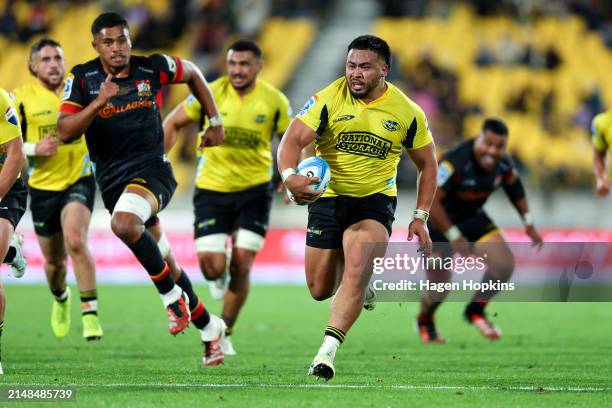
(367, 89)
(52, 82)
(244, 86)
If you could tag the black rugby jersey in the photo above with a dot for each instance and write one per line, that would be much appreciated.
(127, 133)
(468, 186)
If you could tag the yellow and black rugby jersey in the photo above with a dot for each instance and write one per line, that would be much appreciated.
(38, 109)
(363, 142)
(601, 128)
(9, 123)
(244, 159)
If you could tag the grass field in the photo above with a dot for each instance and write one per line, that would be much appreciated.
(552, 354)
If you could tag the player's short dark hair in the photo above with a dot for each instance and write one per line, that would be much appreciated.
(496, 126)
(39, 45)
(373, 43)
(246, 45)
(107, 20)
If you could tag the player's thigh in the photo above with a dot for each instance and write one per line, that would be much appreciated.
(6, 233)
(362, 242)
(496, 252)
(323, 270)
(213, 224)
(45, 207)
(159, 184)
(253, 207)
(75, 219)
(77, 205)
(323, 247)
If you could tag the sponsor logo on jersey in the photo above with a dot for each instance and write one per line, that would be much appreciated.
(11, 116)
(343, 118)
(309, 104)
(110, 109)
(241, 138)
(48, 129)
(91, 73)
(144, 88)
(41, 113)
(390, 125)
(260, 118)
(445, 170)
(364, 144)
(209, 222)
(148, 71)
(68, 87)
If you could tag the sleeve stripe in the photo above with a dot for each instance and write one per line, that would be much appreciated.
(323, 123)
(24, 122)
(179, 70)
(70, 107)
(408, 142)
(72, 103)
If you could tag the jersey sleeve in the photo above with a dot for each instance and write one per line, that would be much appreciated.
(73, 99)
(19, 105)
(170, 68)
(315, 113)
(192, 107)
(9, 123)
(418, 134)
(284, 115)
(511, 180)
(597, 135)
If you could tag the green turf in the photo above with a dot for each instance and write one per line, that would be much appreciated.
(562, 353)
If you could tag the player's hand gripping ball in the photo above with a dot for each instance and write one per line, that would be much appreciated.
(314, 167)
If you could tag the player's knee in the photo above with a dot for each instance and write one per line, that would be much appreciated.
(55, 265)
(210, 269)
(75, 242)
(239, 271)
(319, 291)
(502, 268)
(126, 227)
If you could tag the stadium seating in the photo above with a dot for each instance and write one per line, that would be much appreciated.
(453, 43)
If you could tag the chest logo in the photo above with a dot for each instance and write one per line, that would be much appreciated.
(260, 118)
(364, 144)
(390, 125)
(343, 118)
(144, 88)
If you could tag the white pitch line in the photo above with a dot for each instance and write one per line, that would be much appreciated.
(322, 386)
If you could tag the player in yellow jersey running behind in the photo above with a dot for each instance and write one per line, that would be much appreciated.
(233, 183)
(62, 190)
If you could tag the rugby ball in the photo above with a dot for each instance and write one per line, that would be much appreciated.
(314, 167)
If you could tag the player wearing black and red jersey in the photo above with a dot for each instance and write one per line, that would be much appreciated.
(467, 175)
(115, 101)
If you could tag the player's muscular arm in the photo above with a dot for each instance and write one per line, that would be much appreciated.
(174, 122)
(12, 166)
(601, 174)
(192, 76)
(516, 192)
(72, 125)
(424, 159)
(296, 138)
